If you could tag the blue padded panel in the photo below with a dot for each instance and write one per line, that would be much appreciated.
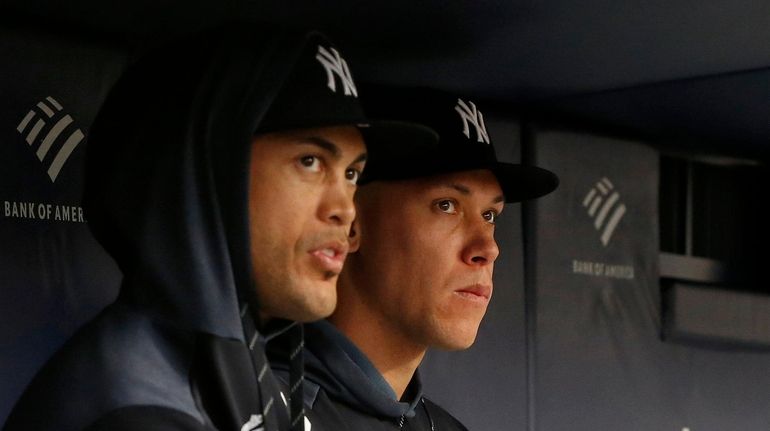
(599, 361)
(53, 275)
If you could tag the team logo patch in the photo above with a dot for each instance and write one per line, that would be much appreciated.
(469, 114)
(48, 130)
(335, 65)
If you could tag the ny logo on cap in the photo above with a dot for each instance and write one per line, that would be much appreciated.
(469, 114)
(336, 65)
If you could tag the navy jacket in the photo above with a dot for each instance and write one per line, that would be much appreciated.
(344, 391)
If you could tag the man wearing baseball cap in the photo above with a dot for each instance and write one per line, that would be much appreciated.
(220, 177)
(419, 273)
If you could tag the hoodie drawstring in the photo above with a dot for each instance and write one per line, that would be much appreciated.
(297, 377)
(274, 416)
(402, 419)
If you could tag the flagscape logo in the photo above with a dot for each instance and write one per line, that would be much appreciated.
(603, 205)
(48, 130)
(52, 135)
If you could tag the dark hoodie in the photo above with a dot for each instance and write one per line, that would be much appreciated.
(166, 195)
(344, 391)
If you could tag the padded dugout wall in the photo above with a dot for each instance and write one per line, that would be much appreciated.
(594, 277)
(53, 274)
(598, 361)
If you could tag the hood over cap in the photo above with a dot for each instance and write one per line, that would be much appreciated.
(167, 171)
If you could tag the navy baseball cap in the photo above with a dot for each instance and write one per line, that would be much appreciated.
(464, 143)
(320, 92)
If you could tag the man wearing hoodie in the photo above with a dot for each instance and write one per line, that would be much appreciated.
(419, 272)
(220, 177)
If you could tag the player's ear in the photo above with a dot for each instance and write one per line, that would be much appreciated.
(354, 237)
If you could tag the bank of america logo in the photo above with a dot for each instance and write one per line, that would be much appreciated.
(602, 203)
(470, 115)
(335, 65)
(48, 130)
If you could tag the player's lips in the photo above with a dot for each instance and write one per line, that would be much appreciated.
(330, 256)
(476, 292)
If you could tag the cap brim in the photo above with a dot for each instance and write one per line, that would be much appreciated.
(518, 182)
(524, 182)
(388, 142)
